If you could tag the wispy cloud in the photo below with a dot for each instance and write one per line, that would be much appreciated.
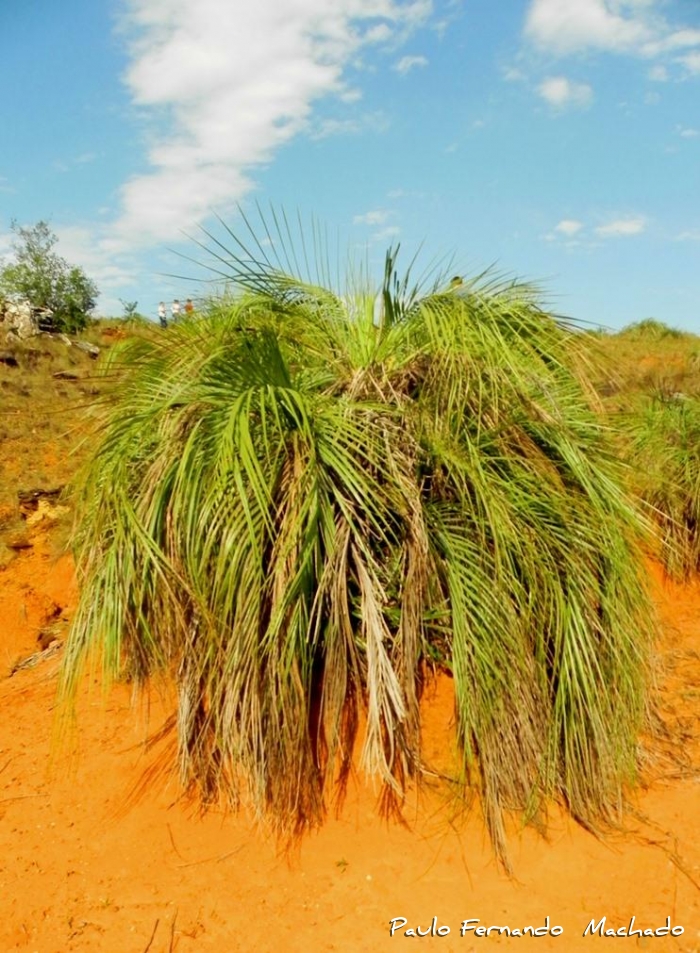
(572, 26)
(351, 96)
(690, 235)
(407, 63)
(634, 27)
(568, 227)
(76, 243)
(569, 26)
(387, 233)
(323, 128)
(567, 232)
(381, 33)
(561, 92)
(225, 85)
(691, 61)
(658, 74)
(67, 165)
(379, 219)
(622, 227)
(375, 217)
(686, 132)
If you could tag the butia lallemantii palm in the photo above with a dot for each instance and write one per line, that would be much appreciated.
(300, 503)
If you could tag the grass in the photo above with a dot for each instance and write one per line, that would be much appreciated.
(297, 510)
(664, 452)
(645, 359)
(651, 387)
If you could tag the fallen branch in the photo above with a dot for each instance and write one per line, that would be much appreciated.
(31, 660)
(20, 797)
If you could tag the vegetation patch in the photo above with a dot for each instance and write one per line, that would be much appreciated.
(651, 383)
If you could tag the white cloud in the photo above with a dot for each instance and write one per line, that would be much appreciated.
(635, 27)
(568, 226)
(569, 26)
(351, 96)
(323, 128)
(560, 92)
(659, 74)
(691, 61)
(375, 217)
(622, 227)
(227, 84)
(686, 133)
(692, 235)
(76, 243)
(336, 127)
(407, 63)
(380, 33)
(676, 40)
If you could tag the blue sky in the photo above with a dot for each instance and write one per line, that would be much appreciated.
(557, 140)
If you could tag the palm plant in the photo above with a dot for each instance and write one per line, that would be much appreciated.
(301, 504)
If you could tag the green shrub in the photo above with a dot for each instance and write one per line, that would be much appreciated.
(664, 451)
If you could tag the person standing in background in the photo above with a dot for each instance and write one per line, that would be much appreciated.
(161, 315)
(189, 307)
(175, 309)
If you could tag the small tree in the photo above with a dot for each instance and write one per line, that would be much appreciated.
(130, 309)
(48, 280)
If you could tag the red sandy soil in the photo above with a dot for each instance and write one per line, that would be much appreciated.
(87, 866)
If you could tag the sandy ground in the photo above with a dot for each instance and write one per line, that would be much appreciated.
(86, 865)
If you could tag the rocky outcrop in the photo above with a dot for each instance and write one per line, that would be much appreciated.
(20, 320)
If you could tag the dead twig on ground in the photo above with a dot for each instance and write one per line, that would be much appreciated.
(20, 797)
(171, 945)
(208, 860)
(153, 935)
(172, 841)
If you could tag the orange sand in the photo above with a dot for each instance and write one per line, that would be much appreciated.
(84, 867)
